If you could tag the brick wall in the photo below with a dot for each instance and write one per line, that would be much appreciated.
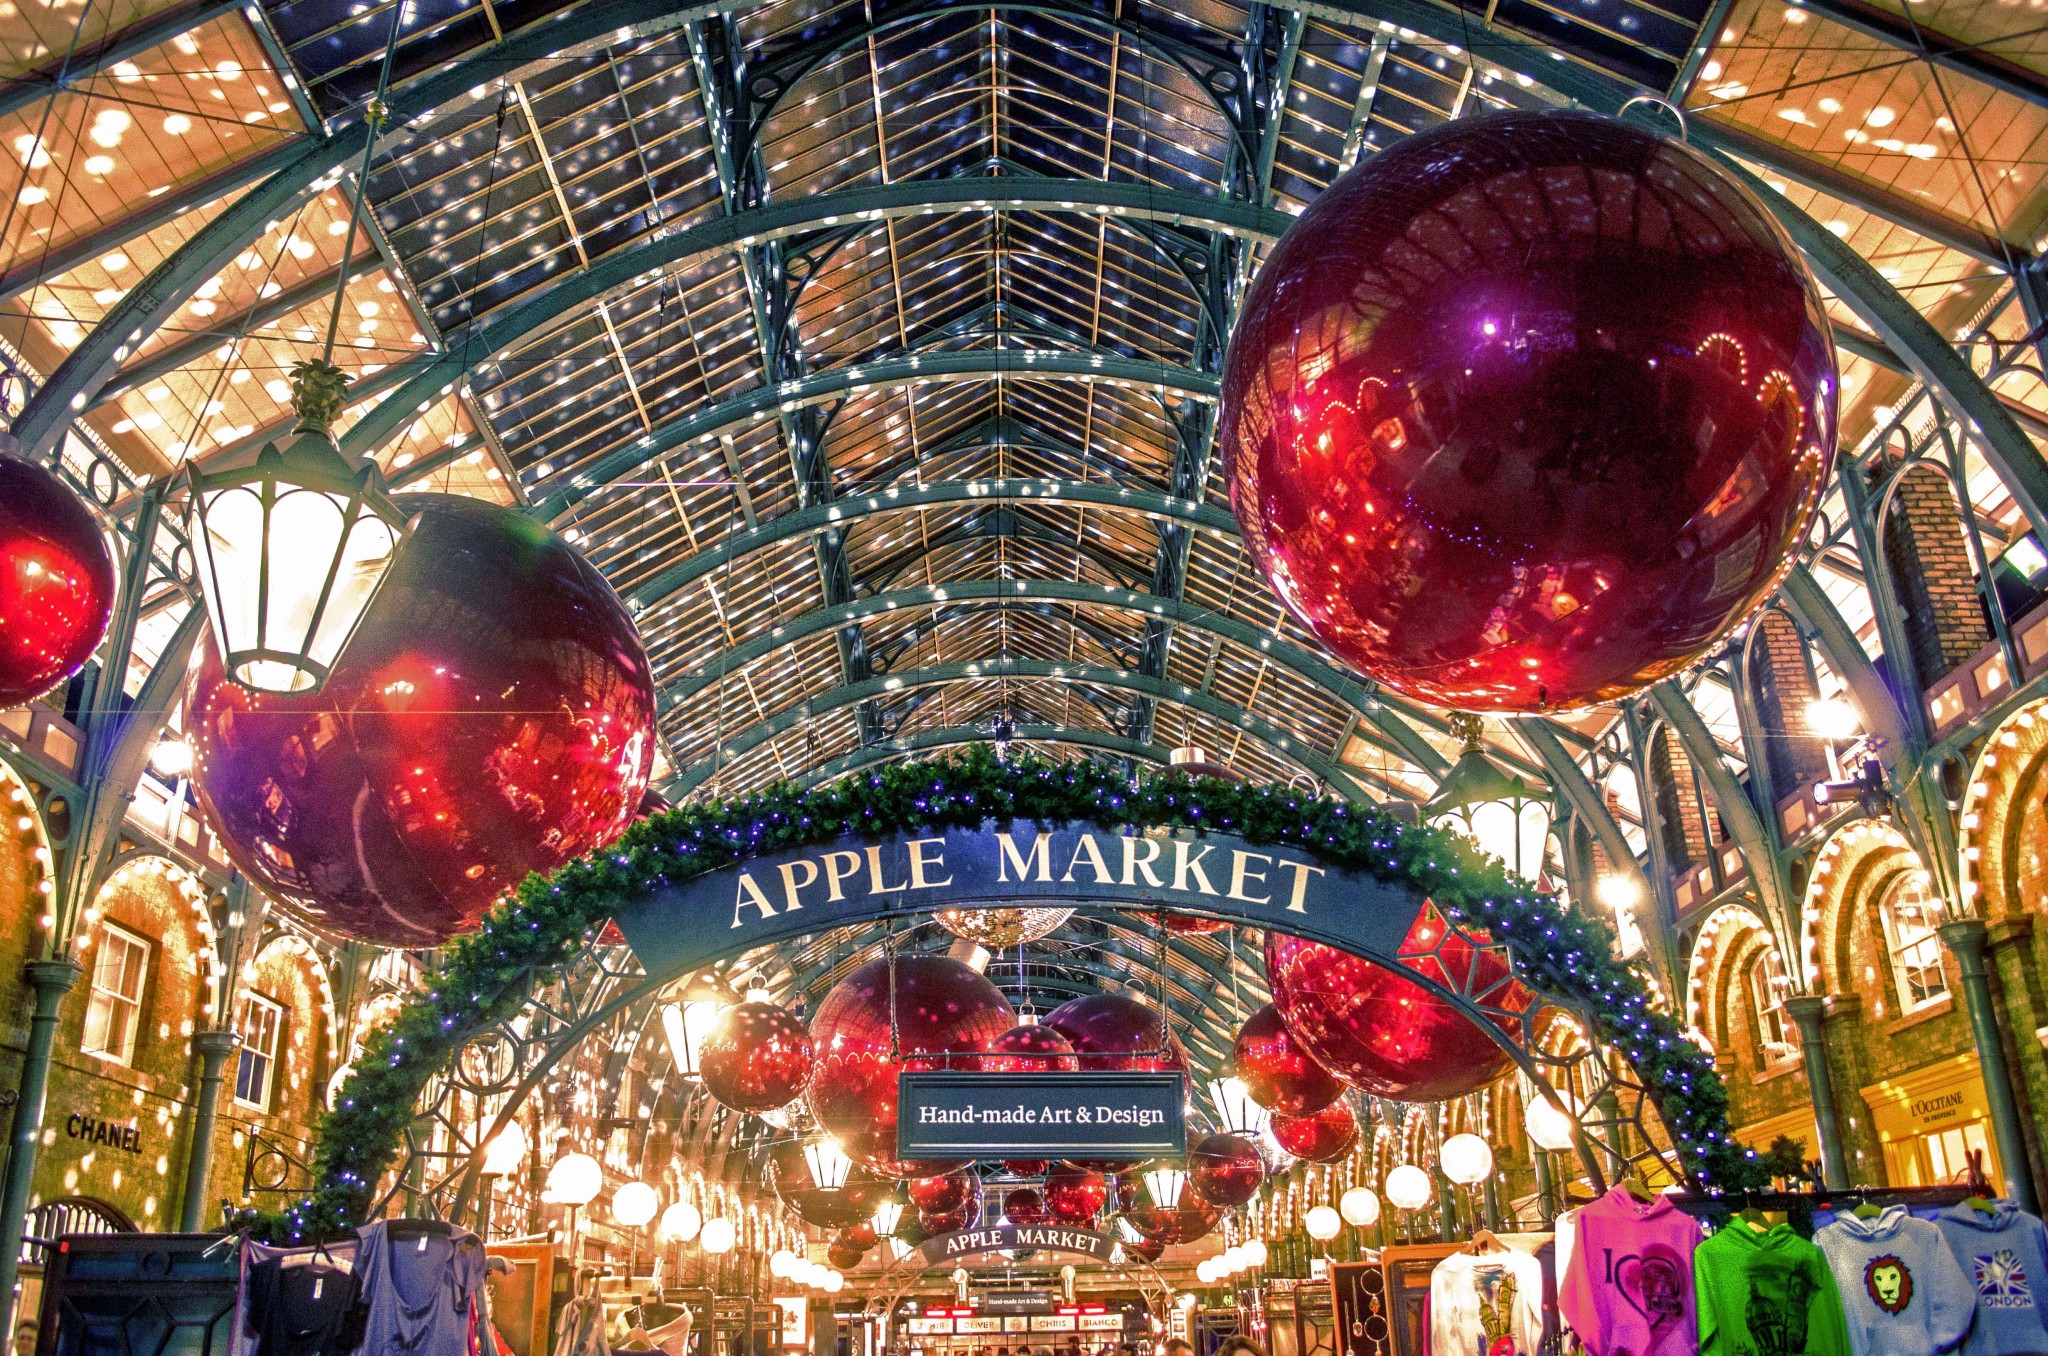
(1929, 564)
(1677, 800)
(1781, 678)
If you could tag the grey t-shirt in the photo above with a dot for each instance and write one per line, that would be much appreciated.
(418, 1288)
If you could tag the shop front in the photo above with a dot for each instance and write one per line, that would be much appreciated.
(1931, 1120)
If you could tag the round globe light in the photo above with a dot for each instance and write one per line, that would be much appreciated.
(718, 1236)
(782, 1263)
(1550, 1127)
(575, 1179)
(1466, 1159)
(634, 1204)
(1205, 1271)
(1359, 1206)
(1408, 1187)
(1322, 1223)
(506, 1151)
(834, 1282)
(1255, 1254)
(680, 1223)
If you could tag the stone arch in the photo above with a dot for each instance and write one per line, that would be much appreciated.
(2002, 832)
(1782, 685)
(1856, 863)
(1726, 943)
(25, 856)
(309, 1040)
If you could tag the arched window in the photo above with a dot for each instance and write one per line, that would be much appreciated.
(1910, 914)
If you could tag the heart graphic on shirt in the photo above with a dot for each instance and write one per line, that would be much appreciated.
(1652, 1284)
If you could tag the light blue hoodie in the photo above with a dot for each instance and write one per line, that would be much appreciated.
(2004, 1255)
(1902, 1292)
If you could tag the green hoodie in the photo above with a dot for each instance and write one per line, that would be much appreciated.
(1766, 1294)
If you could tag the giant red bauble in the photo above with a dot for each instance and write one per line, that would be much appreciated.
(1030, 1049)
(1187, 1221)
(492, 716)
(942, 1193)
(56, 581)
(756, 1057)
(854, 1201)
(1074, 1195)
(844, 1256)
(1225, 1169)
(1279, 1074)
(1025, 1206)
(953, 1221)
(1528, 411)
(1114, 1031)
(1321, 1136)
(942, 1009)
(1383, 1032)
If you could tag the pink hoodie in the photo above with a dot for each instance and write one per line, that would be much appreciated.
(1627, 1290)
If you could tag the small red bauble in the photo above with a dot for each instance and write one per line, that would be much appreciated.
(1025, 1206)
(1128, 1187)
(56, 581)
(1074, 1195)
(861, 1235)
(492, 716)
(756, 1058)
(1321, 1136)
(853, 1202)
(843, 1255)
(1030, 1049)
(1189, 1220)
(1026, 1167)
(1386, 1034)
(1225, 1169)
(1189, 925)
(1279, 1074)
(943, 1193)
(942, 1009)
(953, 1221)
(1528, 411)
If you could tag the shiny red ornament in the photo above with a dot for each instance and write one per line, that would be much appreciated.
(652, 803)
(1026, 1167)
(1030, 1049)
(943, 1011)
(1025, 1206)
(1321, 1136)
(843, 1256)
(1114, 1031)
(861, 1235)
(953, 1221)
(942, 1193)
(1129, 1188)
(1528, 411)
(1279, 1074)
(1190, 925)
(1384, 1033)
(756, 1057)
(1225, 1170)
(852, 1203)
(1075, 1196)
(1187, 1221)
(56, 581)
(492, 716)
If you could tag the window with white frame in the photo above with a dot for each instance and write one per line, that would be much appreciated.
(1767, 1001)
(257, 1022)
(1911, 914)
(113, 1013)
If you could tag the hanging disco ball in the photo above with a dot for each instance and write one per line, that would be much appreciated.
(1279, 1074)
(756, 1057)
(1075, 1196)
(1225, 1170)
(56, 580)
(998, 928)
(966, 1216)
(492, 716)
(854, 1201)
(1382, 1032)
(1190, 925)
(942, 1011)
(1528, 411)
(1320, 1136)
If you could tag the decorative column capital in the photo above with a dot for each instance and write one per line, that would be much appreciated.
(52, 980)
(1965, 937)
(215, 1046)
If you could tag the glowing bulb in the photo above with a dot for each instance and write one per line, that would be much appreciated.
(1360, 1206)
(634, 1204)
(1550, 1127)
(1466, 1159)
(575, 1179)
(1322, 1223)
(718, 1236)
(1408, 1187)
(681, 1222)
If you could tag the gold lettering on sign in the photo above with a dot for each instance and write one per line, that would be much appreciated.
(746, 892)
(1241, 873)
(876, 885)
(1133, 863)
(1302, 871)
(1185, 866)
(791, 886)
(920, 863)
(1036, 866)
(1085, 846)
(838, 866)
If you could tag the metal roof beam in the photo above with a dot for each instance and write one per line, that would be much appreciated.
(76, 67)
(1916, 38)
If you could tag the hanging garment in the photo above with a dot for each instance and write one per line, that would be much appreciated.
(1490, 1305)
(1766, 1293)
(1902, 1292)
(2004, 1255)
(419, 1282)
(1627, 1287)
(303, 1306)
(579, 1331)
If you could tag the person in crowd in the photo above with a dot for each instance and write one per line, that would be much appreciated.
(1240, 1345)
(1178, 1346)
(25, 1338)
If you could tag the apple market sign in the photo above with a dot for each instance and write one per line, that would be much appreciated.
(942, 1248)
(1032, 1114)
(779, 896)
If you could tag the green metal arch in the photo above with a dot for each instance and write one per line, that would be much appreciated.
(1398, 738)
(1287, 746)
(925, 740)
(432, 375)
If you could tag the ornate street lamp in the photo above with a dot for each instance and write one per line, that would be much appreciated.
(687, 1021)
(887, 1216)
(1506, 816)
(1165, 1183)
(828, 1163)
(292, 547)
(1236, 1112)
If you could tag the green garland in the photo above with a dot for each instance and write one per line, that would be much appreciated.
(481, 980)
